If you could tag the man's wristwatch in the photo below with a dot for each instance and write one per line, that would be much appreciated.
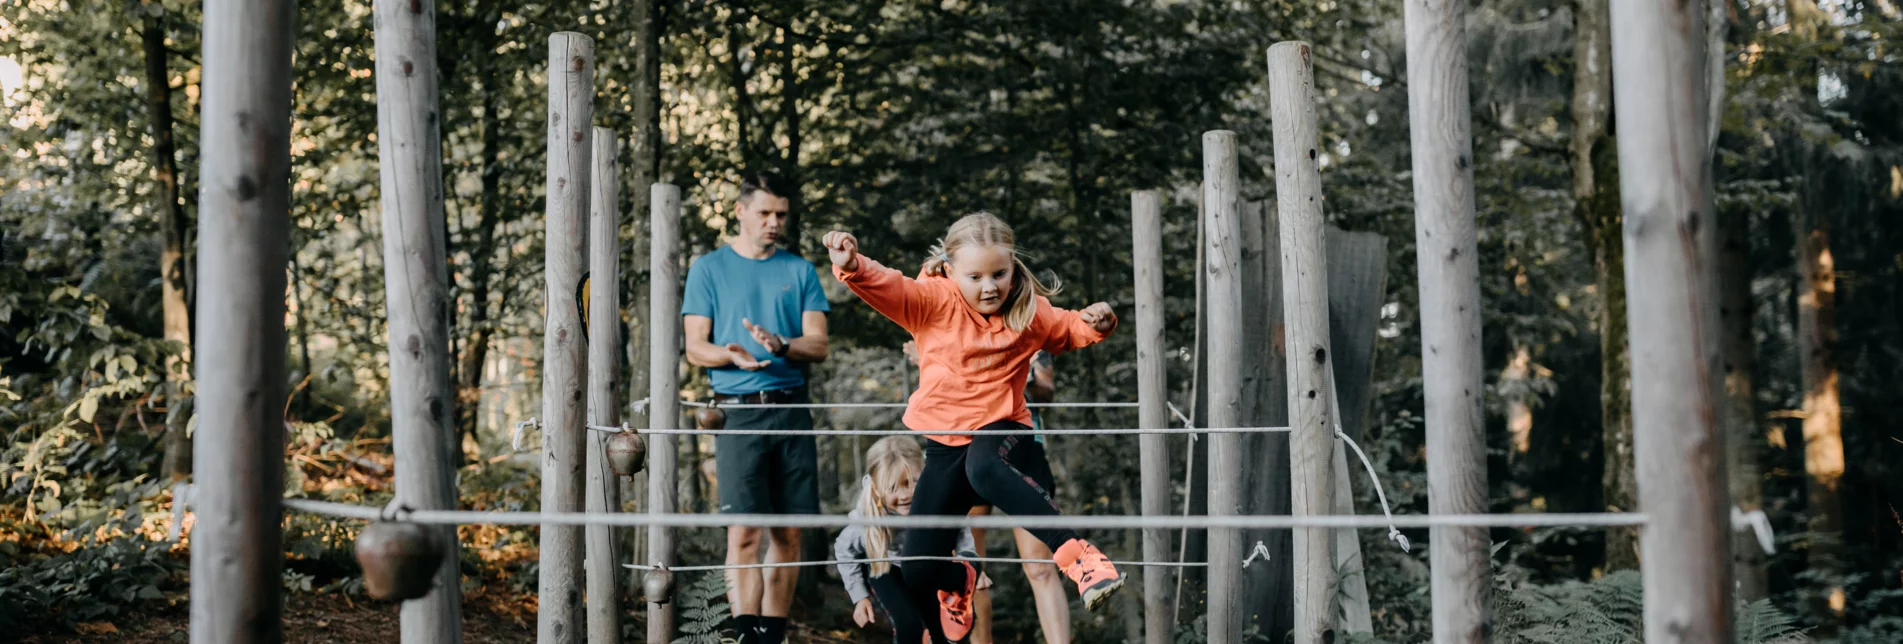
(785, 345)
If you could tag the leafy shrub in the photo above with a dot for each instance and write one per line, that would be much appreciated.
(85, 585)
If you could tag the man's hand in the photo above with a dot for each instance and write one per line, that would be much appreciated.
(844, 250)
(768, 339)
(744, 360)
(862, 613)
(1099, 317)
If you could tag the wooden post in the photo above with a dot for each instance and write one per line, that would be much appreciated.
(604, 340)
(416, 296)
(1146, 233)
(1357, 282)
(244, 237)
(664, 384)
(571, 92)
(1446, 239)
(1267, 593)
(1671, 246)
(1305, 296)
(1221, 194)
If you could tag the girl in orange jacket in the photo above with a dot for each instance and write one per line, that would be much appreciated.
(977, 316)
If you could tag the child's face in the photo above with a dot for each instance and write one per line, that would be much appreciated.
(984, 275)
(898, 498)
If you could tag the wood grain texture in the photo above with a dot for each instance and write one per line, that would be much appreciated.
(664, 384)
(1267, 590)
(244, 238)
(1222, 193)
(603, 491)
(1440, 128)
(1670, 231)
(571, 73)
(1146, 234)
(416, 294)
(1357, 283)
(1305, 303)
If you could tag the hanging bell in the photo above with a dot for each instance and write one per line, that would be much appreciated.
(627, 453)
(711, 417)
(658, 585)
(399, 560)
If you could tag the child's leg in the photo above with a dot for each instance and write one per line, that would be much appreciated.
(993, 468)
(942, 490)
(909, 623)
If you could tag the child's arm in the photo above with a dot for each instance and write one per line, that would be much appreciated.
(888, 291)
(1072, 330)
(849, 550)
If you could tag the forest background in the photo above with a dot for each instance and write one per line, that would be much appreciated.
(893, 117)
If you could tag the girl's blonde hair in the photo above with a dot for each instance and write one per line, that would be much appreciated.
(985, 229)
(889, 459)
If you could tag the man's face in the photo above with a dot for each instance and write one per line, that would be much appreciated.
(762, 216)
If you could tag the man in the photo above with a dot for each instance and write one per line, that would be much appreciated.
(753, 315)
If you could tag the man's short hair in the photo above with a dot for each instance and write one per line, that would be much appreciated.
(766, 182)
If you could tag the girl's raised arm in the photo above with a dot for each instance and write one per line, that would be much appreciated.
(1073, 330)
(888, 291)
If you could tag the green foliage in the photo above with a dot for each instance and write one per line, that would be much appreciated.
(702, 609)
(96, 581)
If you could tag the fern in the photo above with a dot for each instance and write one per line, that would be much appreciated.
(1611, 610)
(1763, 623)
(703, 609)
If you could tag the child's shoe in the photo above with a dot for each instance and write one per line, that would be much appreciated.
(1096, 579)
(955, 610)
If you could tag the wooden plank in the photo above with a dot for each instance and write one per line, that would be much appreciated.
(1267, 592)
(244, 237)
(1357, 283)
(603, 494)
(1659, 92)
(1451, 364)
(1146, 234)
(571, 73)
(664, 384)
(1305, 304)
(1221, 198)
(416, 293)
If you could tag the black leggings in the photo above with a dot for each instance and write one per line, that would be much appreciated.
(989, 470)
(913, 613)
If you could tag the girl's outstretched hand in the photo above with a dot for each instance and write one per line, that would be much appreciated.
(1099, 317)
(844, 249)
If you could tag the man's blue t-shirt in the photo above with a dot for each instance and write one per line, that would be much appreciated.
(772, 292)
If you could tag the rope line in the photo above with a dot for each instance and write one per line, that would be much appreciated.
(933, 432)
(991, 560)
(1083, 522)
(642, 404)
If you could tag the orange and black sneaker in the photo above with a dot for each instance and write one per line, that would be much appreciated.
(1085, 564)
(955, 612)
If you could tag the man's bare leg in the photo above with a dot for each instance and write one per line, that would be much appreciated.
(744, 586)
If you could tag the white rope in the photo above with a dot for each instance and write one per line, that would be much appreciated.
(989, 560)
(937, 432)
(1261, 551)
(1049, 405)
(515, 436)
(1178, 413)
(1759, 524)
(1079, 522)
(1394, 532)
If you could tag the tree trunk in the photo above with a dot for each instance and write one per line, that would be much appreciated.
(790, 118)
(173, 226)
(1596, 204)
(644, 160)
(1823, 420)
(475, 354)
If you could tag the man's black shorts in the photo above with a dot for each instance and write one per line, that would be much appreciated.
(768, 474)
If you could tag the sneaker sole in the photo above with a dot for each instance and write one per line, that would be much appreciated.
(1100, 592)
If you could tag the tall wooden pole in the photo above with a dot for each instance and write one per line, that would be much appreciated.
(664, 384)
(1659, 93)
(1298, 189)
(416, 296)
(1446, 237)
(1221, 202)
(1146, 234)
(244, 195)
(604, 340)
(571, 93)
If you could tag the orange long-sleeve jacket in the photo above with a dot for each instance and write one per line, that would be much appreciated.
(972, 367)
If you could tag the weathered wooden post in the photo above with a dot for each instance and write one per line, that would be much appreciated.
(1221, 197)
(416, 296)
(664, 384)
(1440, 129)
(1659, 92)
(1146, 234)
(604, 340)
(1298, 200)
(571, 93)
(244, 237)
